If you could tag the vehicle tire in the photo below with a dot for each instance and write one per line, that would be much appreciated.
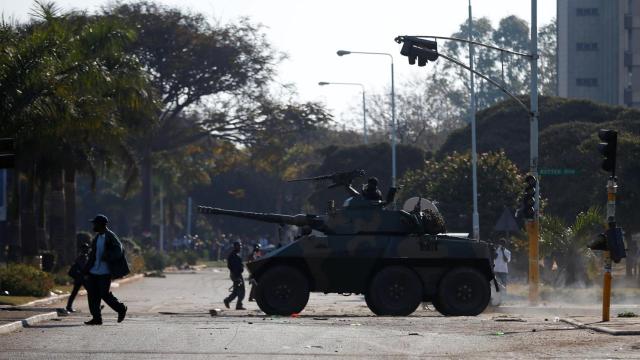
(395, 291)
(463, 291)
(438, 306)
(371, 305)
(282, 290)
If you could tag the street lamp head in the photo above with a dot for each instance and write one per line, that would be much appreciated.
(322, 83)
(343, 52)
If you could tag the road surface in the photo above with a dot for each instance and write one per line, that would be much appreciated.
(169, 319)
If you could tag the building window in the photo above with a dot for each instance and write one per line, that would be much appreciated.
(587, 46)
(587, 82)
(587, 12)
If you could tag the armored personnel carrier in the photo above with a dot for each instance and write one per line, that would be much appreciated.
(395, 258)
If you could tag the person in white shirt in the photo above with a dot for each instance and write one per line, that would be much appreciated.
(500, 263)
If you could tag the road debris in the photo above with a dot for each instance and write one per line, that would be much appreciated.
(627, 314)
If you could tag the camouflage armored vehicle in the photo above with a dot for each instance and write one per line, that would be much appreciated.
(396, 258)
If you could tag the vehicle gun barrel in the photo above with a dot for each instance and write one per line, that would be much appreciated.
(338, 179)
(298, 220)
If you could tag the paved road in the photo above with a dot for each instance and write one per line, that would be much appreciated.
(169, 319)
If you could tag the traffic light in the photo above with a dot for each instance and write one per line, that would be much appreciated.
(420, 49)
(528, 209)
(7, 153)
(608, 149)
(612, 241)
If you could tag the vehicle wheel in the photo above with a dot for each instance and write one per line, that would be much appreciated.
(282, 290)
(394, 290)
(371, 305)
(463, 292)
(439, 308)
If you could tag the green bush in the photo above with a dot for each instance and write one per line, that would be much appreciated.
(62, 277)
(191, 257)
(178, 259)
(155, 260)
(24, 280)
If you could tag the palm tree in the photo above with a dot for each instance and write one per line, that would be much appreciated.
(567, 245)
(66, 86)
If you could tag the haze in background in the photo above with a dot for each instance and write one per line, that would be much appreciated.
(310, 32)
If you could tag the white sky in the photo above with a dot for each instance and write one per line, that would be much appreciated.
(311, 31)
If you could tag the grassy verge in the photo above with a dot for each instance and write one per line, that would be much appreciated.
(16, 300)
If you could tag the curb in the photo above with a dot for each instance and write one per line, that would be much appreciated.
(57, 298)
(17, 325)
(601, 329)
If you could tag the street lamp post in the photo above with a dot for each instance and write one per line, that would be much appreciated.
(393, 109)
(364, 106)
(474, 153)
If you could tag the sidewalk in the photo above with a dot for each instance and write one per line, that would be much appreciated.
(13, 318)
(615, 326)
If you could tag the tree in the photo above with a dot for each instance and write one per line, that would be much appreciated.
(64, 78)
(188, 60)
(447, 181)
(548, 62)
(567, 245)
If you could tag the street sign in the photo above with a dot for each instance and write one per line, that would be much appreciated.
(557, 172)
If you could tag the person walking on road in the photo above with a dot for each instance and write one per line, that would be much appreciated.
(500, 267)
(106, 261)
(255, 254)
(76, 270)
(234, 263)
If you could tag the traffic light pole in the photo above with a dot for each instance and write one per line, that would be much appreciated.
(612, 188)
(534, 226)
(426, 50)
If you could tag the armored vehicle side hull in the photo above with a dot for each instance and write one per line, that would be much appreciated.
(394, 272)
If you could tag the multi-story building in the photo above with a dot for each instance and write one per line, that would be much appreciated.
(599, 50)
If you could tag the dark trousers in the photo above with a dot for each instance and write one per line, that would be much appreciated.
(77, 284)
(238, 289)
(97, 290)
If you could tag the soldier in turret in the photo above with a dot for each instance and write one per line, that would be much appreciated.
(371, 191)
(234, 263)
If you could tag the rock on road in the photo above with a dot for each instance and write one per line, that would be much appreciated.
(169, 318)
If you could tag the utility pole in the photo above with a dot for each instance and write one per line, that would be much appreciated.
(533, 229)
(474, 153)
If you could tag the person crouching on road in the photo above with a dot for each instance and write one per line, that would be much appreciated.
(76, 270)
(106, 262)
(234, 263)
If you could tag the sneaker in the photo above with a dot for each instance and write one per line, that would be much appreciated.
(122, 314)
(70, 309)
(226, 303)
(93, 322)
(240, 307)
